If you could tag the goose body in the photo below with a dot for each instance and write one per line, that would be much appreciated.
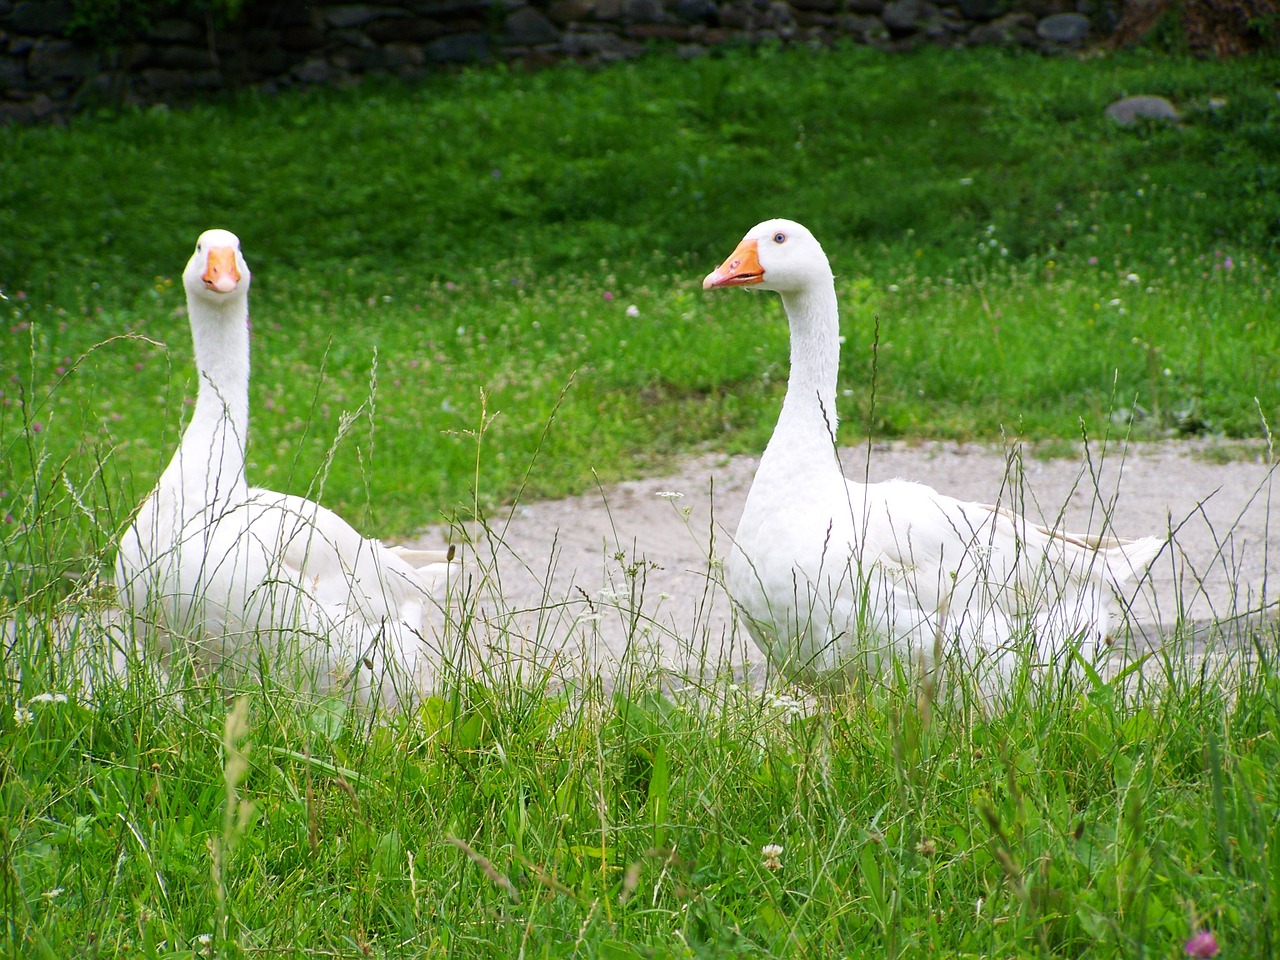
(833, 576)
(255, 578)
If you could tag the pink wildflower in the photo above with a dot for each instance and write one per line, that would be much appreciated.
(1202, 944)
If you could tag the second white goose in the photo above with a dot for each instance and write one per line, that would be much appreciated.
(832, 576)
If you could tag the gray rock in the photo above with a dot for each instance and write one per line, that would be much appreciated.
(1067, 29)
(302, 38)
(358, 14)
(35, 17)
(13, 72)
(695, 11)
(315, 70)
(165, 81)
(61, 60)
(608, 10)
(529, 27)
(909, 16)
(185, 58)
(603, 45)
(736, 17)
(404, 55)
(1000, 34)
(780, 14)
(15, 113)
(1130, 110)
(206, 79)
(459, 48)
(642, 11)
(867, 28)
(174, 30)
(565, 12)
(982, 9)
(415, 30)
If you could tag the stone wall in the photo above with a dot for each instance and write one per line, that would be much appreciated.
(275, 44)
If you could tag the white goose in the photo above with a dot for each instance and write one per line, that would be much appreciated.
(258, 578)
(833, 576)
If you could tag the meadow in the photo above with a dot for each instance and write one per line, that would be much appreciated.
(485, 289)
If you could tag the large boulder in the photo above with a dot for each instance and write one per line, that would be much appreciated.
(1130, 110)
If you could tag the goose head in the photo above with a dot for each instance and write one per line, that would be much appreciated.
(216, 271)
(778, 255)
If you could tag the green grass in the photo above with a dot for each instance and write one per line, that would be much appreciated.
(469, 230)
(524, 818)
(455, 262)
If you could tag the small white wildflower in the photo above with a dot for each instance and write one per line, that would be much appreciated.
(610, 595)
(53, 894)
(633, 311)
(49, 698)
(772, 853)
(788, 705)
(1133, 278)
(966, 181)
(590, 618)
(977, 907)
(22, 716)
(893, 288)
(1167, 372)
(669, 495)
(1114, 303)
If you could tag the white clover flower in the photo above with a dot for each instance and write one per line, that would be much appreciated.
(49, 698)
(53, 894)
(966, 181)
(772, 853)
(669, 495)
(633, 311)
(22, 716)
(204, 939)
(1114, 303)
(788, 705)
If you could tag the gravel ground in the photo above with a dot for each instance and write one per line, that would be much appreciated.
(573, 579)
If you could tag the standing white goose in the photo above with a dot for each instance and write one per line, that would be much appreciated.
(253, 577)
(833, 576)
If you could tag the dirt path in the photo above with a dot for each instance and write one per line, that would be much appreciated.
(580, 568)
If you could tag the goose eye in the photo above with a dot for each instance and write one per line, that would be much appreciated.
(199, 247)
(779, 238)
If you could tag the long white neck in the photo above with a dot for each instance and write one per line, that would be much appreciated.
(207, 471)
(805, 434)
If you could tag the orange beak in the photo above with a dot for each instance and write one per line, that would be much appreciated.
(742, 267)
(221, 273)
